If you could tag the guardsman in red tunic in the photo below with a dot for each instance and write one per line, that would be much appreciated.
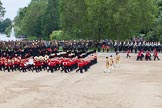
(8, 65)
(69, 66)
(80, 65)
(140, 55)
(37, 66)
(51, 66)
(57, 67)
(128, 52)
(148, 55)
(23, 66)
(3, 63)
(86, 65)
(16, 64)
(65, 66)
(156, 55)
(74, 64)
(103, 47)
(107, 48)
(44, 64)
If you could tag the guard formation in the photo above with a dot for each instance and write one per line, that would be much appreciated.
(148, 55)
(39, 56)
(142, 48)
(135, 46)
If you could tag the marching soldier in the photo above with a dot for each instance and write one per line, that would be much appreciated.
(117, 59)
(111, 61)
(107, 69)
(103, 48)
(140, 55)
(128, 52)
(80, 65)
(107, 48)
(156, 55)
(148, 56)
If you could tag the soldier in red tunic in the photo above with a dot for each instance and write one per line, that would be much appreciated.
(8, 65)
(128, 52)
(23, 66)
(103, 47)
(140, 55)
(148, 55)
(156, 54)
(51, 66)
(81, 66)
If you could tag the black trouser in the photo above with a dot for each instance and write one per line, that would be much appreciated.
(156, 57)
(85, 68)
(80, 69)
(38, 68)
(0, 67)
(148, 58)
(8, 68)
(139, 58)
(44, 66)
(52, 68)
(65, 69)
(57, 66)
(16, 66)
(128, 56)
(30, 67)
(103, 49)
(23, 69)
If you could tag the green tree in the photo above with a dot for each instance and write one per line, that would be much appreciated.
(85, 19)
(5, 24)
(74, 17)
(50, 20)
(31, 22)
(154, 33)
(2, 10)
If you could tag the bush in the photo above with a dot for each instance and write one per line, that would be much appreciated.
(57, 35)
(32, 38)
(60, 35)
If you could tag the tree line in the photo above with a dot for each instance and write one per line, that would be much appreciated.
(5, 25)
(89, 19)
(2, 10)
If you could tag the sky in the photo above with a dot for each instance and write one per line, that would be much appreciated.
(12, 7)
